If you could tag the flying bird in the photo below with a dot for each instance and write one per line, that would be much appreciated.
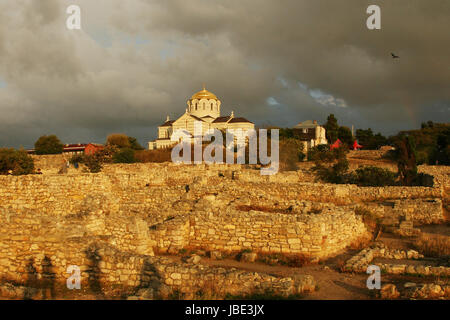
(394, 56)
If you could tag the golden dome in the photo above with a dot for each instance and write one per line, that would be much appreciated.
(204, 94)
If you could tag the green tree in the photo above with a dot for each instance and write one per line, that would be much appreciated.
(118, 140)
(332, 128)
(442, 148)
(286, 133)
(345, 135)
(17, 161)
(134, 144)
(405, 155)
(125, 155)
(431, 142)
(368, 140)
(48, 145)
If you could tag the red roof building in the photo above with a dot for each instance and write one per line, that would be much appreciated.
(78, 148)
(92, 148)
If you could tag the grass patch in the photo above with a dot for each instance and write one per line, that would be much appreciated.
(433, 245)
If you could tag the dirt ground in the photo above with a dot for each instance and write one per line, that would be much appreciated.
(335, 285)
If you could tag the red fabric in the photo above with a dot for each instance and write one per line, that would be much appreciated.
(356, 146)
(336, 145)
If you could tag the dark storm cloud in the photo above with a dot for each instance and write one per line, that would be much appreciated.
(136, 61)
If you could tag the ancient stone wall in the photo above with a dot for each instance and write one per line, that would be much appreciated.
(316, 235)
(109, 223)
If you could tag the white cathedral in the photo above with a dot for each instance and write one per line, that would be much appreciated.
(203, 106)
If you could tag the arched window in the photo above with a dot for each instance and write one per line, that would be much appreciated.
(211, 107)
(196, 106)
(204, 106)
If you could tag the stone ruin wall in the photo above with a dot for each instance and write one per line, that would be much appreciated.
(132, 209)
(316, 236)
(111, 272)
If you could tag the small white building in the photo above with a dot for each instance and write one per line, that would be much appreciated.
(203, 106)
(311, 133)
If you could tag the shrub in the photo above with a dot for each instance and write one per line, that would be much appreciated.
(371, 176)
(125, 155)
(323, 153)
(423, 180)
(134, 144)
(319, 153)
(432, 143)
(158, 156)
(119, 140)
(301, 156)
(106, 154)
(77, 158)
(290, 153)
(423, 157)
(433, 245)
(18, 161)
(48, 145)
(333, 174)
(93, 163)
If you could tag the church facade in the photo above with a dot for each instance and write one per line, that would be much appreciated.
(203, 107)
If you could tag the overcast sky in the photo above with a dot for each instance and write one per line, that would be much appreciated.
(275, 62)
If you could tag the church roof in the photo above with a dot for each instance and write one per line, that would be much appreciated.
(222, 119)
(204, 94)
(239, 120)
(167, 123)
(197, 118)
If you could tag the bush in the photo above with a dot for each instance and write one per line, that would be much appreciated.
(323, 153)
(290, 153)
(432, 143)
(333, 174)
(119, 140)
(301, 156)
(93, 163)
(319, 153)
(125, 155)
(423, 157)
(18, 161)
(48, 145)
(158, 156)
(106, 154)
(433, 245)
(371, 176)
(77, 158)
(423, 180)
(134, 144)
(364, 176)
